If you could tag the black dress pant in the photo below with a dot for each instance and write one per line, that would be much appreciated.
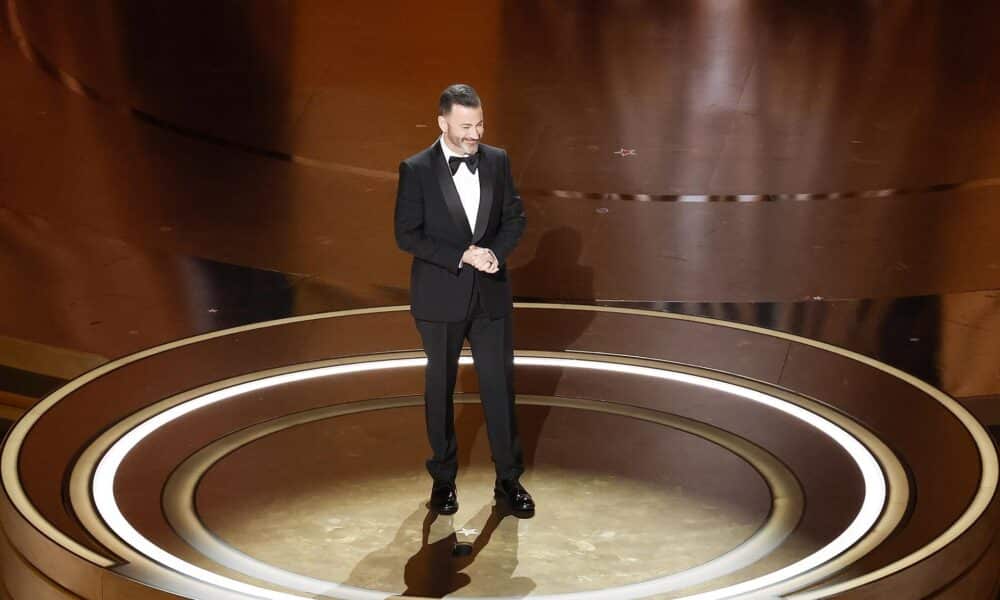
(492, 346)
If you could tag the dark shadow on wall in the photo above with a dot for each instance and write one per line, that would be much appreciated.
(221, 68)
(911, 337)
(217, 70)
(5, 23)
(905, 332)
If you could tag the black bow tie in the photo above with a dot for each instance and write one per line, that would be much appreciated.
(472, 161)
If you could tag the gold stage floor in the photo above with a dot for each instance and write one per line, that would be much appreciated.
(757, 326)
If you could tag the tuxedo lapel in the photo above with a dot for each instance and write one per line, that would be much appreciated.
(449, 190)
(485, 196)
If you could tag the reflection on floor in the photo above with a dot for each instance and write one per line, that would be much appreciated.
(825, 171)
(378, 535)
(320, 519)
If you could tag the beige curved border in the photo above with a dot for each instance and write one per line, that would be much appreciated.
(178, 495)
(980, 502)
(142, 568)
(9, 476)
(989, 461)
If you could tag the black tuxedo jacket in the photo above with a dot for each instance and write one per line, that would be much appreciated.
(431, 225)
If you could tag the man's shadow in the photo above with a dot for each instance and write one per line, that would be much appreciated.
(552, 275)
(436, 569)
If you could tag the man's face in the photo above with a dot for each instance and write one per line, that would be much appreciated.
(463, 128)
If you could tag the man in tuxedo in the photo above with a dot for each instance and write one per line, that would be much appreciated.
(459, 215)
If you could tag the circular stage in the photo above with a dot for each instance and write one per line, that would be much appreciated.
(670, 457)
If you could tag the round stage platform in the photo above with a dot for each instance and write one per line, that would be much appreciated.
(670, 457)
(822, 178)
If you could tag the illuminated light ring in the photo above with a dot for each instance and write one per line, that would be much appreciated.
(976, 508)
(787, 499)
(874, 480)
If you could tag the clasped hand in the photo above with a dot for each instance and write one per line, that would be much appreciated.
(481, 258)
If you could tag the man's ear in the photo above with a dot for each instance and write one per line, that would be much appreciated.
(443, 124)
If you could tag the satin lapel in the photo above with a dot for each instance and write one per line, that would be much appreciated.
(450, 192)
(486, 176)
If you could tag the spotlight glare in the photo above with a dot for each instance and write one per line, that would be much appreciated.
(872, 505)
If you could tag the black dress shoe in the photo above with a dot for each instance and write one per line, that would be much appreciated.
(513, 494)
(444, 498)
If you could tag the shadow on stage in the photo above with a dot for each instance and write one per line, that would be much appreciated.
(438, 567)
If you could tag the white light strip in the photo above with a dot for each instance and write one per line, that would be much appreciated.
(871, 508)
(104, 475)
(874, 480)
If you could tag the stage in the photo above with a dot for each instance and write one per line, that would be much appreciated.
(756, 303)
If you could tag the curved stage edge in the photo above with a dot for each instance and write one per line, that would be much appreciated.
(150, 475)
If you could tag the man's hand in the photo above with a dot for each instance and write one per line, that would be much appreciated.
(481, 258)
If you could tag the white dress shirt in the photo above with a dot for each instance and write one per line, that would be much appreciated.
(467, 184)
